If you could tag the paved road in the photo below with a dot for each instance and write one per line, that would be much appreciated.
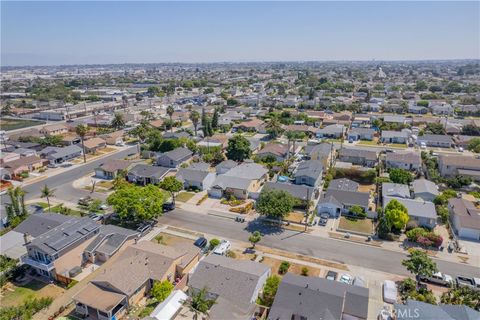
(324, 248)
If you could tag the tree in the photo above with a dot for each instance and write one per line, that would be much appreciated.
(383, 228)
(401, 176)
(420, 264)
(170, 111)
(290, 136)
(270, 290)
(16, 207)
(172, 185)
(274, 128)
(136, 203)
(195, 117)
(474, 145)
(198, 303)
(254, 238)
(153, 91)
(462, 296)
(161, 290)
(396, 214)
(304, 271)
(47, 193)
(238, 148)
(95, 206)
(118, 121)
(284, 266)
(215, 119)
(275, 203)
(82, 130)
(213, 243)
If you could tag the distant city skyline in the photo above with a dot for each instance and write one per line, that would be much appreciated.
(59, 33)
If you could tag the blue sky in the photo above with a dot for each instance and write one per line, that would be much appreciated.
(51, 33)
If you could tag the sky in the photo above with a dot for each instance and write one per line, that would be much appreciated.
(68, 32)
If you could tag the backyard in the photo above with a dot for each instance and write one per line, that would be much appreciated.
(356, 225)
(12, 294)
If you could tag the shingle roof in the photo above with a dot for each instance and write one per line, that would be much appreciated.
(395, 190)
(115, 165)
(343, 184)
(296, 190)
(406, 157)
(227, 164)
(310, 168)
(98, 298)
(426, 311)
(416, 208)
(248, 171)
(145, 170)
(177, 154)
(425, 186)
(224, 181)
(368, 155)
(442, 138)
(277, 149)
(38, 224)
(191, 175)
(57, 153)
(468, 215)
(349, 197)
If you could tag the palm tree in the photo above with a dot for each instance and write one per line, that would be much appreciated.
(81, 131)
(195, 117)
(274, 128)
(170, 112)
(199, 304)
(118, 121)
(290, 136)
(47, 193)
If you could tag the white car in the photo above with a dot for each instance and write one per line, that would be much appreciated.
(389, 291)
(460, 149)
(222, 248)
(346, 278)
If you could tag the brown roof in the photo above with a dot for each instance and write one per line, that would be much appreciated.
(156, 123)
(251, 123)
(468, 214)
(54, 127)
(277, 149)
(115, 165)
(97, 298)
(93, 142)
(23, 161)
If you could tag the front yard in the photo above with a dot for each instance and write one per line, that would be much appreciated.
(184, 196)
(295, 216)
(295, 268)
(356, 225)
(59, 208)
(368, 142)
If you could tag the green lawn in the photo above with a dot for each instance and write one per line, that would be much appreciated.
(12, 124)
(21, 293)
(56, 209)
(359, 225)
(184, 196)
(368, 143)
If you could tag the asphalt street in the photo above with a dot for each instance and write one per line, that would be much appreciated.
(324, 248)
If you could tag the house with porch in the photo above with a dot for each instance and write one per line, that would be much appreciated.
(144, 174)
(110, 169)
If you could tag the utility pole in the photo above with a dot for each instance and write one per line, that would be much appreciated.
(307, 208)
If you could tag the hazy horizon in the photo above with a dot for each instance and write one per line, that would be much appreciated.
(94, 33)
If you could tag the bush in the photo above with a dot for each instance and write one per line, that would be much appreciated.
(414, 234)
(231, 254)
(213, 243)
(284, 266)
(412, 224)
(202, 199)
(71, 283)
(304, 271)
(424, 237)
(443, 213)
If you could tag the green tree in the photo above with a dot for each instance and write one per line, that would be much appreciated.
(81, 130)
(270, 290)
(172, 185)
(275, 203)
(198, 303)
(274, 128)
(47, 193)
(195, 117)
(135, 203)
(170, 111)
(396, 214)
(420, 264)
(153, 91)
(16, 207)
(213, 243)
(118, 121)
(95, 206)
(238, 148)
(401, 176)
(474, 145)
(255, 238)
(161, 290)
(215, 119)
(462, 296)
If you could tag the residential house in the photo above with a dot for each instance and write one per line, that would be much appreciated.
(111, 168)
(94, 144)
(70, 139)
(322, 152)
(54, 129)
(23, 164)
(176, 135)
(174, 158)
(358, 157)
(8, 156)
(443, 109)
(425, 189)
(278, 151)
(356, 134)
(252, 124)
(198, 179)
(56, 155)
(225, 166)
(465, 218)
(333, 131)
(423, 212)
(335, 202)
(462, 141)
(131, 277)
(395, 190)
(300, 297)
(422, 310)
(309, 173)
(396, 119)
(144, 174)
(343, 184)
(435, 140)
(453, 165)
(400, 137)
(417, 109)
(404, 160)
(233, 284)
(239, 181)
(298, 191)
(115, 138)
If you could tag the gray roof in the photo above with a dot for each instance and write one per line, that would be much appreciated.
(394, 134)
(188, 174)
(176, 135)
(231, 279)
(13, 245)
(37, 224)
(323, 150)
(65, 234)
(349, 198)
(145, 170)
(227, 164)
(416, 208)
(224, 181)
(318, 298)
(362, 131)
(332, 129)
(57, 153)
(406, 157)
(395, 190)
(248, 171)
(296, 190)
(309, 168)
(110, 239)
(360, 153)
(177, 154)
(199, 166)
(428, 311)
(343, 184)
(424, 186)
(442, 138)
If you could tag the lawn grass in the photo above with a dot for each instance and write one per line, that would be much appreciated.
(368, 143)
(13, 295)
(184, 196)
(13, 124)
(56, 209)
(397, 145)
(359, 225)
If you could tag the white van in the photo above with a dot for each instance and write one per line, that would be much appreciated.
(222, 248)
(389, 291)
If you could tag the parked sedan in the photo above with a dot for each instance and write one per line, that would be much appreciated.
(331, 275)
(346, 278)
(201, 242)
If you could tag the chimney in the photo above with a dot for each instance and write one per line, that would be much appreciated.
(26, 238)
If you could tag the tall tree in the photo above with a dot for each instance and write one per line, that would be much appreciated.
(195, 117)
(254, 238)
(274, 128)
(124, 102)
(170, 111)
(161, 290)
(290, 136)
(47, 193)
(172, 185)
(238, 148)
(82, 131)
(118, 121)
(275, 203)
(215, 119)
(198, 303)
(396, 214)
(420, 264)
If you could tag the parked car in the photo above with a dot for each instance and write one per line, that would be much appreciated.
(323, 219)
(331, 275)
(463, 281)
(95, 217)
(438, 278)
(66, 164)
(240, 219)
(84, 201)
(222, 248)
(201, 242)
(144, 228)
(346, 278)
(389, 291)
(168, 206)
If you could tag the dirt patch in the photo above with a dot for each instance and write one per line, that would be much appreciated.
(196, 234)
(169, 239)
(366, 188)
(355, 239)
(295, 216)
(242, 255)
(296, 256)
(295, 268)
